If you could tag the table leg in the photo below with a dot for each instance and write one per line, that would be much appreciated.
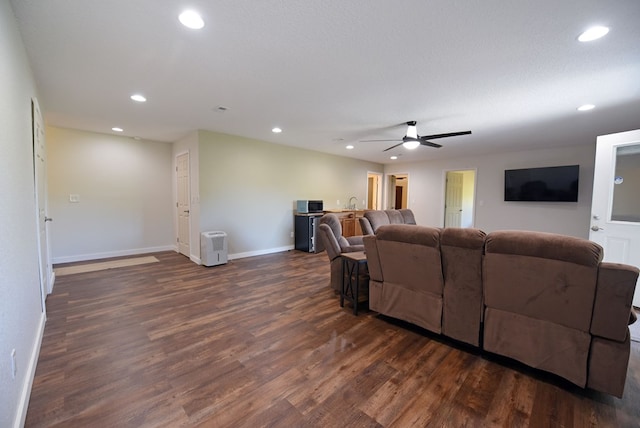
(356, 291)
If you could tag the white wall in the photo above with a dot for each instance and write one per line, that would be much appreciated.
(21, 315)
(248, 188)
(426, 191)
(124, 188)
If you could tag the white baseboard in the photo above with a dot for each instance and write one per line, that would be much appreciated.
(260, 252)
(52, 281)
(132, 252)
(109, 254)
(23, 404)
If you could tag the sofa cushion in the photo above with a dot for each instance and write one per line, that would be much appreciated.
(408, 257)
(545, 245)
(407, 216)
(376, 218)
(395, 217)
(542, 276)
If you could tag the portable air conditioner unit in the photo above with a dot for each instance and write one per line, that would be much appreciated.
(213, 248)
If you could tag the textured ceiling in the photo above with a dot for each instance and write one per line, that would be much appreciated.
(335, 72)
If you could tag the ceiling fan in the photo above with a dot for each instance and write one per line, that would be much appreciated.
(412, 140)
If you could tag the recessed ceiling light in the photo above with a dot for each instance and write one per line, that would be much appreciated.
(276, 130)
(586, 107)
(350, 147)
(394, 157)
(191, 19)
(139, 98)
(593, 33)
(115, 128)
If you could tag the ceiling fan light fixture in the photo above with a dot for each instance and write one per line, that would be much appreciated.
(410, 145)
(412, 131)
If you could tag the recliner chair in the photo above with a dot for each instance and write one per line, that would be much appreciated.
(335, 244)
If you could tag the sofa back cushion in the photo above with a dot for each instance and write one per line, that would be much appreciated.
(376, 218)
(410, 255)
(406, 274)
(541, 275)
(407, 216)
(395, 216)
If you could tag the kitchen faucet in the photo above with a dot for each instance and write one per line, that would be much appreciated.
(350, 205)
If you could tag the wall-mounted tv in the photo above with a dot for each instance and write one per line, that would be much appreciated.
(549, 184)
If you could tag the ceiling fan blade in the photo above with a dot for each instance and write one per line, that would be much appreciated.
(393, 147)
(371, 141)
(430, 144)
(450, 134)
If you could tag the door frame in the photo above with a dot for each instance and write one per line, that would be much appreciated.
(186, 152)
(389, 194)
(444, 193)
(377, 190)
(603, 189)
(46, 273)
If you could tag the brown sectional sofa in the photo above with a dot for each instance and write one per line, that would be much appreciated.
(371, 220)
(545, 300)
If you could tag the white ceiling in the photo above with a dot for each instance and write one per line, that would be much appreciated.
(333, 72)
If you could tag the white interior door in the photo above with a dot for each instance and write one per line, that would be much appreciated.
(453, 200)
(183, 205)
(39, 165)
(615, 208)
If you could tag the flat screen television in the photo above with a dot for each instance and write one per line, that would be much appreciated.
(549, 184)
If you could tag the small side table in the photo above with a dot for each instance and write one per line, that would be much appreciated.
(353, 268)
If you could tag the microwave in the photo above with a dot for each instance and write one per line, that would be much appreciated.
(308, 206)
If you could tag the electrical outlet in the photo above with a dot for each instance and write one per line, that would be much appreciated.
(338, 202)
(292, 234)
(14, 366)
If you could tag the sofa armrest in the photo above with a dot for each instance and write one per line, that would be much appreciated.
(613, 302)
(355, 240)
(373, 258)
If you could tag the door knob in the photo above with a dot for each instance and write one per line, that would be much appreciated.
(596, 228)
(47, 219)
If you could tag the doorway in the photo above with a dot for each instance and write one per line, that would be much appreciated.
(459, 199)
(615, 206)
(183, 204)
(39, 165)
(374, 190)
(398, 191)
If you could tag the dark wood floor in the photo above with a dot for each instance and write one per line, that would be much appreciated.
(263, 341)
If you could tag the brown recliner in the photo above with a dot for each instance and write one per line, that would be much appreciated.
(405, 274)
(552, 304)
(335, 244)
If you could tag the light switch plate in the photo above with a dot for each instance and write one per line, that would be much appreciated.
(74, 198)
